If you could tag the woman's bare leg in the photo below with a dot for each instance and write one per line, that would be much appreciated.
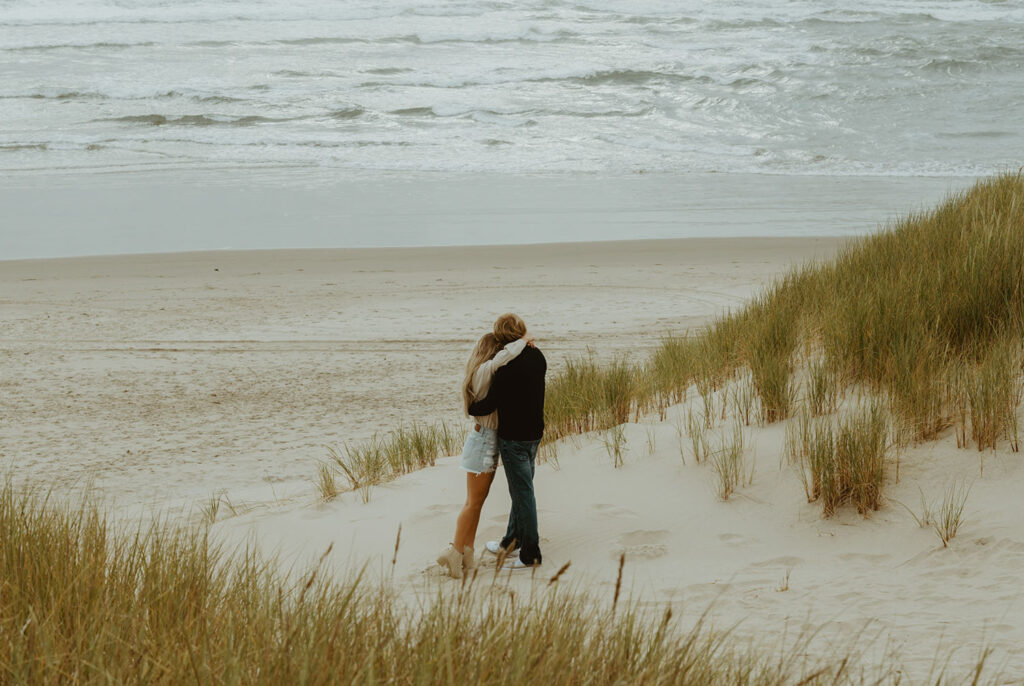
(477, 488)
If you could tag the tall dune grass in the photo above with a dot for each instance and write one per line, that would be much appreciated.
(993, 392)
(730, 464)
(586, 396)
(927, 314)
(902, 309)
(83, 603)
(899, 312)
(842, 461)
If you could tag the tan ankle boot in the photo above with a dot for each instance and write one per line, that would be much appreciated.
(468, 561)
(451, 561)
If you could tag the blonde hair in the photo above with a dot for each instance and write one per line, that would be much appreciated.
(509, 327)
(486, 348)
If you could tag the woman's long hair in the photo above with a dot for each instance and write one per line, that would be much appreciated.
(486, 348)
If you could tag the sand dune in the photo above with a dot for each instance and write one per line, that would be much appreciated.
(765, 563)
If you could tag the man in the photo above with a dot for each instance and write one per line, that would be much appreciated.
(517, 393)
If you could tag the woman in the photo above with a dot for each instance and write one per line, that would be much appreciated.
(480, 453)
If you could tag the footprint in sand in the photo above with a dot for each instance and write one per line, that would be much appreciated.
(647, 545)
(606, 510)
(734, 539)
(785, 562)
(1010, 544)
(435, 510)
(865, 557)
(705, 593)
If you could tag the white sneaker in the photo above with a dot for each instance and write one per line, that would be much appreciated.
(494, 548)
(516, 565)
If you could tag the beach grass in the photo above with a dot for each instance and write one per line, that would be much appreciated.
(822, 388)
(950, 515)
(993, 393)
(926, 316)
(614, 440)
(900, 312)
(386, 457)
(696, 429)
(927, 516)
(86, 602)
(730, 464)
(842, 460)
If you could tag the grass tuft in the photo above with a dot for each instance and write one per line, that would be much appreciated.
(730, 463)
(993, 393)
(951, 512)
(614, 440)
(383, 458)
(843, 461)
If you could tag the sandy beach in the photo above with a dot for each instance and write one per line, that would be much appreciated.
(164, 379)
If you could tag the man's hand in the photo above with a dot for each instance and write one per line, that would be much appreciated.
(530, 341)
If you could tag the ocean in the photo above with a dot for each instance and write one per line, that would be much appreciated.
(315, 90)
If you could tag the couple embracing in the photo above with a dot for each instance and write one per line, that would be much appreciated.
(503, 392)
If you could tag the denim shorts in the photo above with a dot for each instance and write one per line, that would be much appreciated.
(480, 453)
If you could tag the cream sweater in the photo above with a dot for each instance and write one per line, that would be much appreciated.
(484, 374)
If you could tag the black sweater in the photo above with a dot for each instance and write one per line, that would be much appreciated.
(517, 393)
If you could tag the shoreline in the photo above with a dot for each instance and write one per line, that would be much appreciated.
(634, 245)
(192, 211)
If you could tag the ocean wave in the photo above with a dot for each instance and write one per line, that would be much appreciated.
(644, 20)
(528, 36)
(742, 24)
(216, 99)
(613, 77)
(196, 120)
(629, 77)
(18, 147)
(78, 46)
(348, 113)
(203, 120)
(950, 65)
(558, 112)
(54, 95)
(323, 40)
(414, 112)
(298, 144)
(863, 16)
(977, 134)
(388, 71)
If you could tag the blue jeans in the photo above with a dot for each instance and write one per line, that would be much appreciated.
(519, 459)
